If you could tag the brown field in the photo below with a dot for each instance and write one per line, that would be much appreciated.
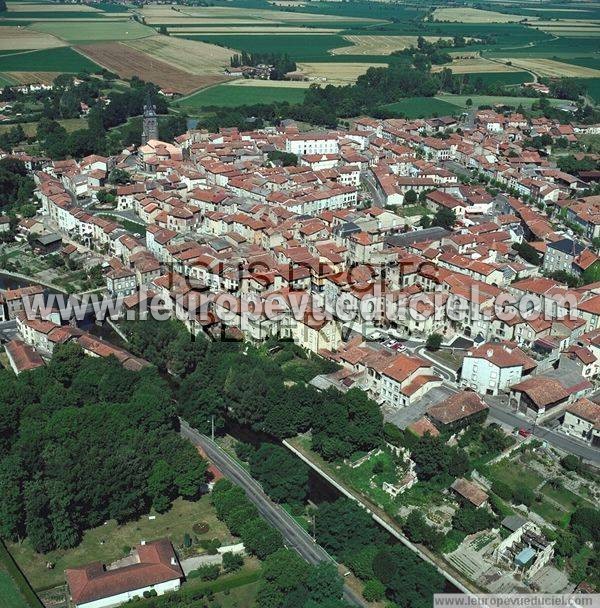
(128, 62)
(549, 67)
(475, 15)
(336, 73)
(191, 56)
(475, 65)
(379, 45)
(19, 38)
(33, 77)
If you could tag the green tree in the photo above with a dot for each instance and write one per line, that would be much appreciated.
(374, 590)
(232, 561)
(283, 477)
(410, 198)
(434, 341)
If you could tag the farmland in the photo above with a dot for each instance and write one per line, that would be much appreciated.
(332, 42)
(423, 107)
(128, 62)
(230, 95)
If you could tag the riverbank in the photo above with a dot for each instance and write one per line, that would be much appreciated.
(380, 516)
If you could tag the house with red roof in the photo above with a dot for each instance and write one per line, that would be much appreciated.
(152, 566)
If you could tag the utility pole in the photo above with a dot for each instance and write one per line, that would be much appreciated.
(212, 427)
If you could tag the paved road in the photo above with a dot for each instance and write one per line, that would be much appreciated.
(558, 440)
(294, 536)
(368, 181)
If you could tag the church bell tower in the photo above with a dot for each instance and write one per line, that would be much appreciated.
(149, 122)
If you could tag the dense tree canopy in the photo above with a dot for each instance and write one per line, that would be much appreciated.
(84, 440)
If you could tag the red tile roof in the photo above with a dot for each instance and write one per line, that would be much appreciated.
(157, 563)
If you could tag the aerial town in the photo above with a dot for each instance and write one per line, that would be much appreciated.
(311, 354)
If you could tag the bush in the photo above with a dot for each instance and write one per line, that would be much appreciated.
(523, 496)
(502, 489)
(244, 450)
(571, 463)
(434, 341)
(374, 590)
(206, 573)
(452, 541)
(232, 561)
(211, 545)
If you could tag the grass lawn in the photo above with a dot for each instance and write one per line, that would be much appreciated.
(30, 128)
(11, 597)
(423, 107)
(108, 542)
(514, 475)
(15, 591)
(62, 59)
(225, 95)
(245, 595)
(411, 210)
(447, 358)
(130, 226)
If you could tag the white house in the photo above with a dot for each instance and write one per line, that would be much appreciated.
(495, 366)
(152, 566)
(582, 420)
(312, 143)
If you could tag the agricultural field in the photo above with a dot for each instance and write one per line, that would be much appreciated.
(30, 128)
(191, 56)
(335, 73)
(473, 65)
(17, 38)
(127, 62)
(61, 59)
(380, 45)
(552, 68)
(91, 31)
(230, 95)
(492, 100)
(423, 107)
(474, 15)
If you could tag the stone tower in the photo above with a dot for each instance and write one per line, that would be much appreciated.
(149, 122)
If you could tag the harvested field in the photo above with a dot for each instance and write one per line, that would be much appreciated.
(20, 38)
(475, 65)
(380, 45)
(33, 77)
(549, 67)
(336, 73)
(90, 31)
(475, 15)
(188, 55)
(128, 62)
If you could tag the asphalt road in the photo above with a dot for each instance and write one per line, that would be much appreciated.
(554, 438)
(294, 535)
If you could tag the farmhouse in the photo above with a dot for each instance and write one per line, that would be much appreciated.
(152, 566)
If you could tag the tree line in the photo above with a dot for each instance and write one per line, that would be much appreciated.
(83, 440)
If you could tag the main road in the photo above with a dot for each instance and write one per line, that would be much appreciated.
(294, 535)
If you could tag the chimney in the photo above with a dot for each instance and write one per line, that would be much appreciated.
(143, 542)
(173, 561)
(490, 352)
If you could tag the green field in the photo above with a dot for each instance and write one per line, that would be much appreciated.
(492, 100)
(15, 591)
(309, 47)
(62, 59)
(231, 96)
(83, 32)
(422, 107)
(501, 78)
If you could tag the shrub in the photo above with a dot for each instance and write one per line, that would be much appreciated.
(206, 573)
(374, 590)
(452, 541)
(232, 561)
(502, 489)
(523, 496)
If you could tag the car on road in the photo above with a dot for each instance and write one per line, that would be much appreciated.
(524, 432)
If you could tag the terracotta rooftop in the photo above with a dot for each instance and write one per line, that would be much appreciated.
(460, 405)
